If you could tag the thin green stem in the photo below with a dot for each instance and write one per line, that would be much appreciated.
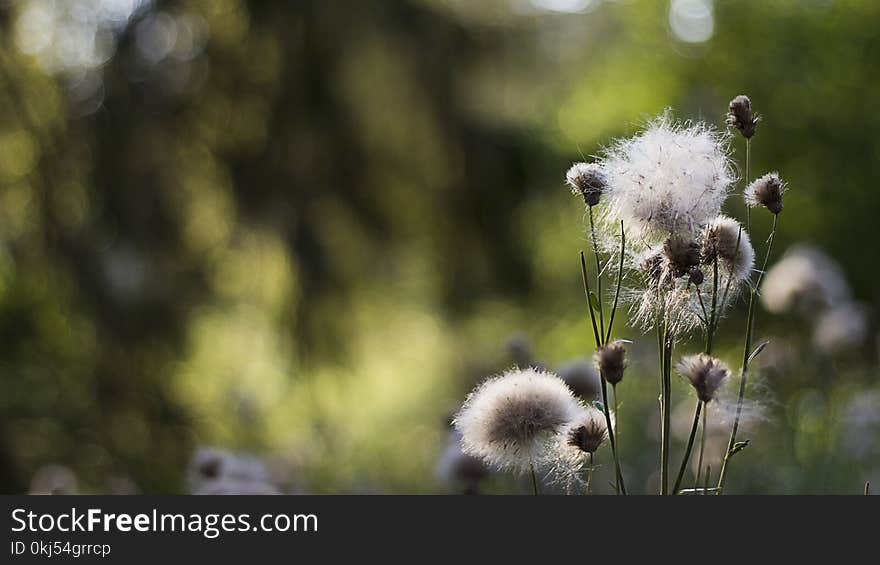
(590, 473)
(746, 183)
(667, 394)
(589, 302)
(750, 324)
(619, 281)
(621, 487)
(713, 319)
(534, 479)
(690, 445)
(598, 274)
(702, 447)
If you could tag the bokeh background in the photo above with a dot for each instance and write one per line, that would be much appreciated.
(304, 230)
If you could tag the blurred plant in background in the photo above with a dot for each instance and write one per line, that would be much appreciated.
(303, 229)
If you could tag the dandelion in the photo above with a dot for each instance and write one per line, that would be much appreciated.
(586, 180)
(681, 254)
(804, 279)
(507, 420)
(669, 178)
(725, 239)
(766, 191)
(705, 373)
(610, 361)
(841, 328)
(582, 378)
(588, 431)
(575, 445)
(740, 116)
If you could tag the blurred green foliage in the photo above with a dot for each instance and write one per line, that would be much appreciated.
(305, 228)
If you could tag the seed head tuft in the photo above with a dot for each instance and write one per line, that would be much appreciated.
(705, 374)
(586, 180)
(741, 117)
(610, 360)
(766, 191)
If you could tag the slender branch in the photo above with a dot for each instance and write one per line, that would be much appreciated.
(590, 474)
(598, 274)
(690, 445)
(611, 436)
(703, 432)
(589, 302)
(534, 478)
(619, 281)
(750, 324)
(667, 394)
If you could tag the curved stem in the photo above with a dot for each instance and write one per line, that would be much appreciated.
(534, 479)
(667, 394)
(590, 474)
(702, 447)
(690, 445)
(611, 437)
(589, 302)
(750, 323)
(598, 274)
(619, 281)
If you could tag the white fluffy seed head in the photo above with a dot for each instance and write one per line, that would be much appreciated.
(568, 453)
(725, 239)
(766, 191)
(842, 328)
(586, 180)
(669, 178)
(804, 279)
(705, 373)
(508, 421)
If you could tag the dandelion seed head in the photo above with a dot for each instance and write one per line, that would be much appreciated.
(610, 361)
(682, 254)
(705, 373)
(841, 328)
(567, 454)
(588, 431)
(766, 191)
(669, 178)
(586, 180)
(741, 117)
(725, 239)
(804, 279)
(508, 420)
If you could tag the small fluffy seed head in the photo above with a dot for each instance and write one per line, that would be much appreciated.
(740, 116)
(458, 469)
(705, 374)
(766, 191)
(588, 431)
(725, 239)
(610, 360)
(842, 328)
(696, 276)
(586, 180)
(804, 279)
(669, 178)
(508, 420)
(582, 378)
(681, 254)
